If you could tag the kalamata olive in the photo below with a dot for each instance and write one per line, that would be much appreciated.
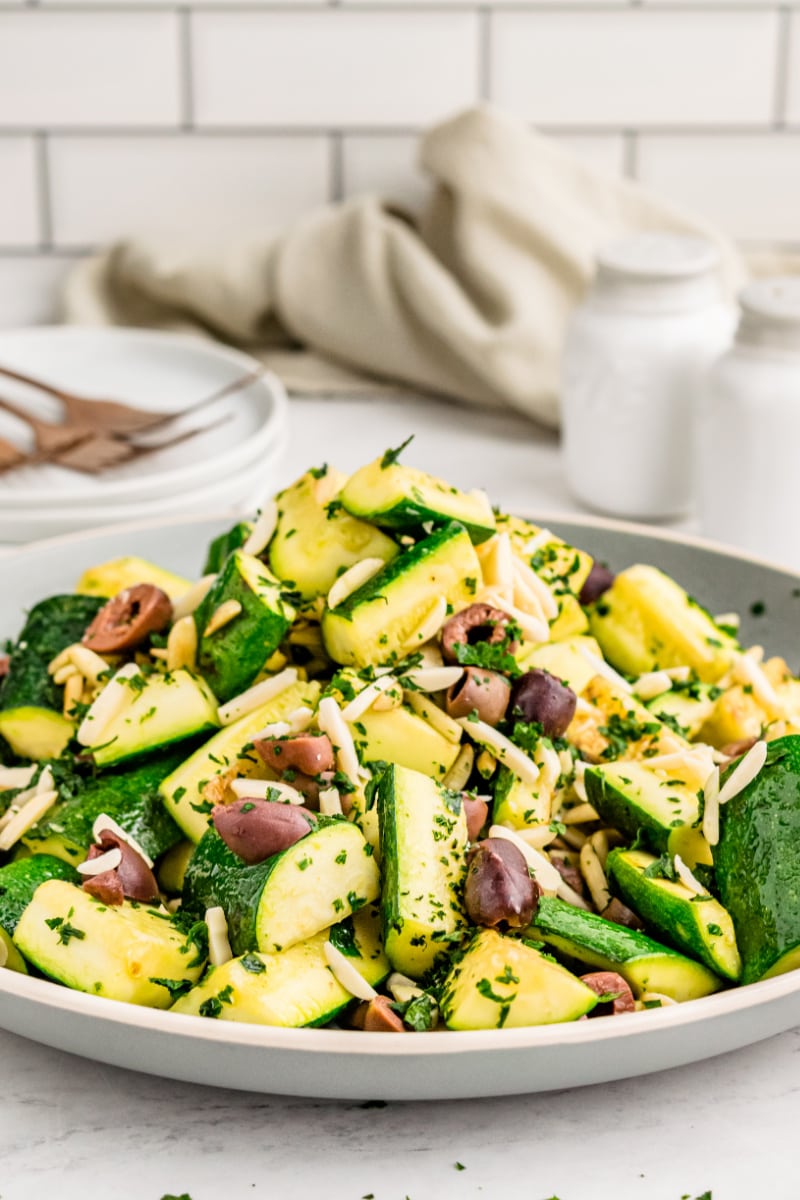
(499, 888)
(620, 914)
(128, 619)
(377, 1016)
(105, 887)
(598, 580)
(257, 829)
(569, 873)
(538, 696)
(610, 984)
(310, 753)
(734, 750)
(135, 878)
(484, 692)
(478, 623)
(476, 812)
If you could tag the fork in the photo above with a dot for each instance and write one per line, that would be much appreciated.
(115, 417)
(51, 438)
(102, 450)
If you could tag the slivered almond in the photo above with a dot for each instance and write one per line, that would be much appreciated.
(711, 808)
(61, 676)
(191, 599)
(502, 748)
(182, 644)
(601, 667)
(367, 697)
(439, 720)
(744, 773)
(104, 821)
(27, 816)
(652, 684)
(262, 789)
(540, 539)
(687, 878)
(16, 777)
(104, 862)
(538, 587)
(226, 612)
(219, 947)
(534, 628)
(433, 679)
(347, 975)
(353, 579)
(255, 696)
(456, 778)
(579, 814)
(261, 534)
(595, 877)
(331, 721)
(73, 691)
(113, 699)
(330, 802)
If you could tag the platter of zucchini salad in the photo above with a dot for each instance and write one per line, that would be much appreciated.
(385, 759)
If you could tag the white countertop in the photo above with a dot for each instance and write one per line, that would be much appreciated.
(71, 1128)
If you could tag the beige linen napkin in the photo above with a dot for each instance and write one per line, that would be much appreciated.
(468, 298)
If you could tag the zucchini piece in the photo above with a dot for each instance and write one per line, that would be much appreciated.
(423, 839)
(20, 879)
(314, 545)
(630, 797)
(131, 798)
(323, 878)
(758, 864)
(31, 719)
(228, 753)
(381, 618)
(131, 952)
(294, 988)
(110, 578)
(232, 657)
(689, 705)
(401, 737)
(620, 727)
(563, 659)
(162, 709)
(502, 981)
(13, 959)
(403, 498)
(561, 566)
(646, 621)
(696, 925)
(172, 868)
(519, 805)
(644, 964)
(224, 545)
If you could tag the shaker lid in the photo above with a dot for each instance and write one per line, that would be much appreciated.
(658, 256)
(775, 301)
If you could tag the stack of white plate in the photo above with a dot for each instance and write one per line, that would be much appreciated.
(231, 465)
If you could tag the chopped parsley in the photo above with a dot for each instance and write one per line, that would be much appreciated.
(390, 457)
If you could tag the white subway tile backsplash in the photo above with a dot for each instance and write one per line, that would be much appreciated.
(104, 188)
(603, 150)
(73, 68)
(386, 166)
(748, 185)
(19, 203)
(29, 288)
(333, 67)
(636, 68)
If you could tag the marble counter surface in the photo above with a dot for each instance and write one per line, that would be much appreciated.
(72, 1128)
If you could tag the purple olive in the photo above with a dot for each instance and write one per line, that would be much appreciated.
(538, 696)
(499, 888)
(598, 580)
(478, 623)
(481, 691)
(476, 811)
(257, 829)
(619, 997)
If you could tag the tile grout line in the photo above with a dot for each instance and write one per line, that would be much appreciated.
(185, 68)
(781, 97)
(43, 188)
(484, 53)
(336, 180)
(630, 153)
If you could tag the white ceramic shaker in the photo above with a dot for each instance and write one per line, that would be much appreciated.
(635, 353)
(748, 456)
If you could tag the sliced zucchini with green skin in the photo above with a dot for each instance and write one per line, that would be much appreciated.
(646, 621)
(117, 951)
(405, 499)
(163, 709)
(517, 804)
(131, 798)
(13, 960)
(228, 752)
(172, 868)
(758, 864)
(423, 839)
(232, 657)
(294, 988)
(697, 925)
(381, 618)
(31, 719)
(644, 964)
(314, 545)
(690, 705)
(323, 878)
(110, 578)
(224, 545)
(630, 797)
(401, 737)
(501, 982)
(20, 879)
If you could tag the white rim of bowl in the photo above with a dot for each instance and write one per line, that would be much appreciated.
(174, 478)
